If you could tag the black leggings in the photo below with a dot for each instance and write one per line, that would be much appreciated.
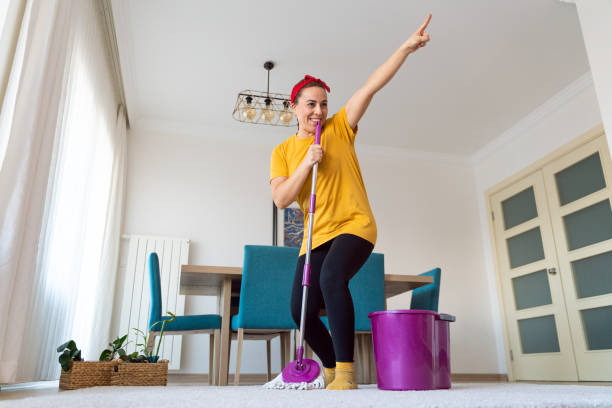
(332, 265)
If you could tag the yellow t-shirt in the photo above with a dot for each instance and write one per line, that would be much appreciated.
(342, 205)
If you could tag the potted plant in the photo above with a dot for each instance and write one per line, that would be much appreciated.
(69, 354)
(143, 353)
(116, 350)
(77, 373)
(155, 357)
(154, 372)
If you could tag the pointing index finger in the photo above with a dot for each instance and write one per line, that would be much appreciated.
(424, 26)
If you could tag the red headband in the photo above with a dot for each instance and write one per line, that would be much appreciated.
(307, 79)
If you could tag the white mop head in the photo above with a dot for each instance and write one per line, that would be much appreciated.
(279, 384)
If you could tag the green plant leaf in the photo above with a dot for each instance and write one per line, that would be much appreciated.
(70, 344)
(121, 352)
(139, 331)
(76, 355)
(65, 360)
(141, 347)
(161, 332)
(105, 356)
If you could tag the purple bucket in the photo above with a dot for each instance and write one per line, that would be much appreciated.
(404, 349)
(442, 370)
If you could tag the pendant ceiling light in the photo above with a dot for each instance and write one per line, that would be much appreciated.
(264, 108)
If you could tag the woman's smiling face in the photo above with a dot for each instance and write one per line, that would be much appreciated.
(310, 107)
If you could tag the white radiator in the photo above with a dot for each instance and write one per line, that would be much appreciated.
(136, 302)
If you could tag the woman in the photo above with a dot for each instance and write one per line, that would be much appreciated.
(344, 232)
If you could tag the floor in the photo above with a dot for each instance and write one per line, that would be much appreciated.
(42, 388)
(186, 393)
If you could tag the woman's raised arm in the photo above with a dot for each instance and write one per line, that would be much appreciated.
(359, 102)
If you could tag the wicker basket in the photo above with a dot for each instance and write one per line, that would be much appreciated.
(86, 374)
(140, 373)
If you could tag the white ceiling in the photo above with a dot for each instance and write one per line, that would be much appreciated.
(489, 62)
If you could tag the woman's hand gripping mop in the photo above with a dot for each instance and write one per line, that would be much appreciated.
(304, 373)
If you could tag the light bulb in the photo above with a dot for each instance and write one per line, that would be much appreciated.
(249, 113)
(268, 115)
(286, 117)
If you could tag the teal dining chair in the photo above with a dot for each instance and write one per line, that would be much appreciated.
(191, 324)
(264, 310)
(367, 289)
(426, 297)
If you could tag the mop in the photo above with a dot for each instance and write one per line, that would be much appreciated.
(303, 373)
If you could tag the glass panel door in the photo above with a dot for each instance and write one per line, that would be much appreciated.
(579, 196)
(540, 341)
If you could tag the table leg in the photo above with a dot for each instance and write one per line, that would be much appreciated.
(372, 362)
(365, 360)
(357, 360)
(283, 349)
(288, 349)
(224, 300)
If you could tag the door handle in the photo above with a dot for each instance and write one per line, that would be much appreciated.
(552, 271)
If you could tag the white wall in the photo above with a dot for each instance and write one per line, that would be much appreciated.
(596, 30)
(561, 119)
(425, 207)
(211, 186)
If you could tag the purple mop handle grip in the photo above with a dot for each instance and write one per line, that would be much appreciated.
(318, 134)
(306, 275)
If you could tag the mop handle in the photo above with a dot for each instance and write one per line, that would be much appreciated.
(306, 273)
(311, 211)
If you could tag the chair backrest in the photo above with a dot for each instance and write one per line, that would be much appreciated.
(265, 291)
(368, 290)
(155, 284)
(426, 297)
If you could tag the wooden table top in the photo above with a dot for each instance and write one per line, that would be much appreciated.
(205, 280)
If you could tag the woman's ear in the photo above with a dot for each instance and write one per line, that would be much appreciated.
(293, 106)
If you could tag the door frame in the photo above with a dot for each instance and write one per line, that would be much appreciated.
(589, 363)
(585, 138)
(553, 366)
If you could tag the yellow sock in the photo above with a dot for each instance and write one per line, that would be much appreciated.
(329, 374)
(344, 378)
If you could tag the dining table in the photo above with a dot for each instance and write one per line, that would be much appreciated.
(224, 283)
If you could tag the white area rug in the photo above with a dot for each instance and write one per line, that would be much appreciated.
(461, 395)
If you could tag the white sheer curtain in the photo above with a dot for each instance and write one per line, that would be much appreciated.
(27, 134)
(11, 14)
(63, 177)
